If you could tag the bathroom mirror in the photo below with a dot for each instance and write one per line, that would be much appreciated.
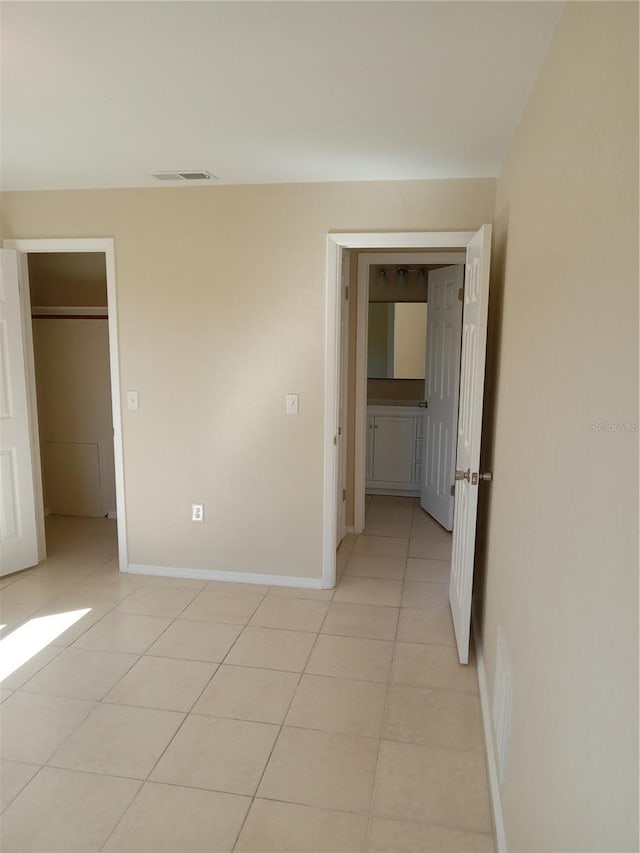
(397, 340)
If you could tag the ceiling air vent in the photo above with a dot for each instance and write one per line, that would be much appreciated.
(184, 176)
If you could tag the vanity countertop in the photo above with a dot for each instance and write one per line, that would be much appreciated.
(409, 403)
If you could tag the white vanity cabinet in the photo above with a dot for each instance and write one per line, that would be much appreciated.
(394, 450)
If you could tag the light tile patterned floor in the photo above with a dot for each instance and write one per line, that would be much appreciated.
(181, 715)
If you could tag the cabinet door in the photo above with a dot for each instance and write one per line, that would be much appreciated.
(393, 448)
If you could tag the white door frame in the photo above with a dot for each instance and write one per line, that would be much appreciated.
(344, 398)
(411, 240)
(104, 245)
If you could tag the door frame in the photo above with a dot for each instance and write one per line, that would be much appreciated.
(343, 380)
(436, 241)
(106, 246)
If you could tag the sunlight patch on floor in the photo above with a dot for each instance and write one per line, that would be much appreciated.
(26, 641)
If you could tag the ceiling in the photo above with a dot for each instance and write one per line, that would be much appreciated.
(103, 94)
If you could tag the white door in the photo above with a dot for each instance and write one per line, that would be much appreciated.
(18, 537)
(342, 404)
(444, 324)
(468, 477)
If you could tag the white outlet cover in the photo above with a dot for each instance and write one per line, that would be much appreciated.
(292, 404)
(197, 512)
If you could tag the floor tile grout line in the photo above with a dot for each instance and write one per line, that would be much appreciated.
(53, 644)
(124, 811)
(370, 816)
(267, 762)
(90, 710)
(234, 666)
(90, 698)
(118, 651)
(282, 724)
(186, 716)
(145, 653)
(37, 672)
(28, 782)
(197, 699)
(277, 738)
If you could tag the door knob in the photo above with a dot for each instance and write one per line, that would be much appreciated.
(424, 404)
(474, 478)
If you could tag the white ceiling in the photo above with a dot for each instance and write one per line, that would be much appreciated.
(102, 94)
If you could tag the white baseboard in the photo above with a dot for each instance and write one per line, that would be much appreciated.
(492, 764)
(349, 530)
(112, 515)
(234, 577)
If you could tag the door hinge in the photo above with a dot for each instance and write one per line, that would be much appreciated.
(344, 494)
(339, 430)
(461, 294)
(335, 440)
(346, 294)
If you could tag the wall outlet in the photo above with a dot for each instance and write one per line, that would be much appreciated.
(197, 512)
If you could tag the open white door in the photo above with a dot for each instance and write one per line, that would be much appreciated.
(341, 527)
(18, 537)
(444, 324)
(467, 475)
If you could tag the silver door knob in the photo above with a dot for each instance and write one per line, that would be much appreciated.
(487, 477)
(463, 475)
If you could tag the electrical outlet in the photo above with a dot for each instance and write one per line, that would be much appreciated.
(197, 512)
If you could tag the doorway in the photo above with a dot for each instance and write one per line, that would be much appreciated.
(71, 358)
(401, 446)
(475, 296)
(69, 318)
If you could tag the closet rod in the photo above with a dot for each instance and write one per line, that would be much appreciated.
(69, 312)
(69, 316)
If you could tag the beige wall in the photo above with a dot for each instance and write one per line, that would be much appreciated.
(221, 314)
(561, 552)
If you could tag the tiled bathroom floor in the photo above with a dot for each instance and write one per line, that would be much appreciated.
(180, 715)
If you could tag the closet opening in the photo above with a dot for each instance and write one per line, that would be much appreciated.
(71, 362)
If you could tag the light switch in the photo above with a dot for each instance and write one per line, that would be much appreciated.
(292, 404)
(132, 400)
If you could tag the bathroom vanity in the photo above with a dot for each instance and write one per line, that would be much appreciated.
(394, 448)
